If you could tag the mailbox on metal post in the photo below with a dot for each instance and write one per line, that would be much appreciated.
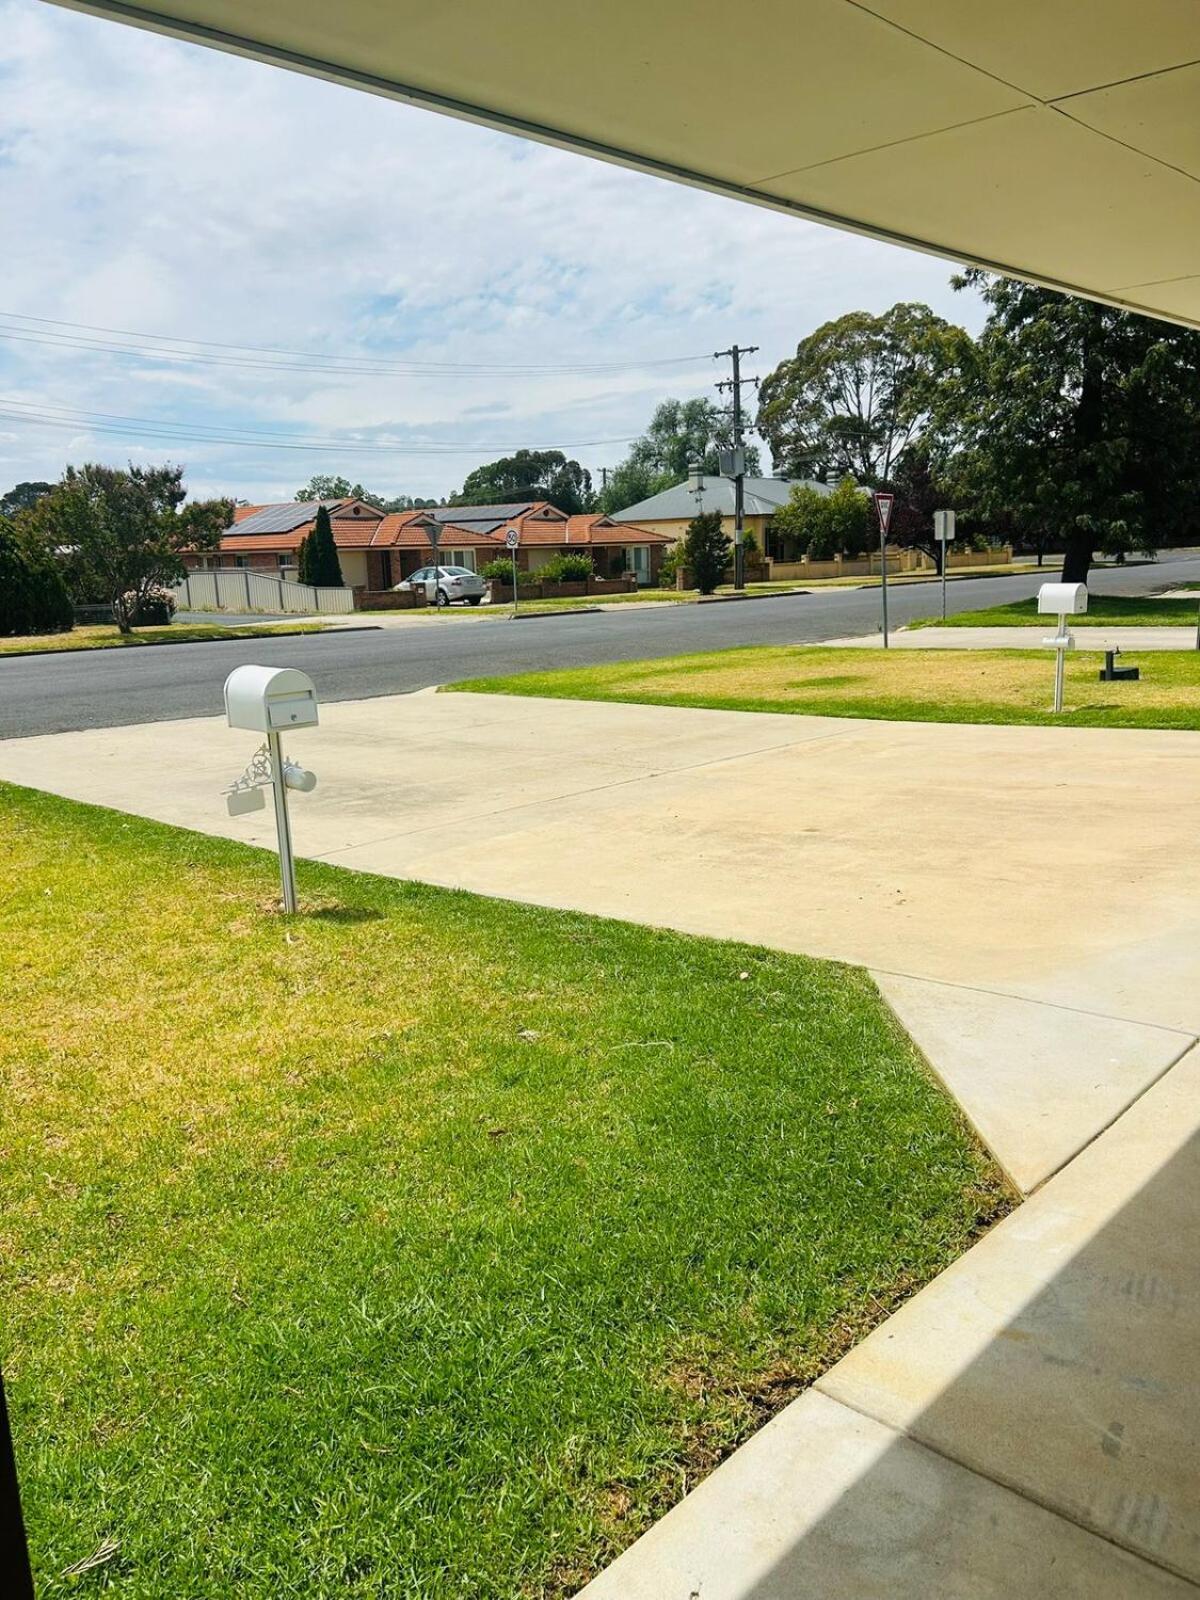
(1061, 600)
(267, 700)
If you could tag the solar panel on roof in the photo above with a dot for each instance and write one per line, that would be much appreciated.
(472, 515)
(279, 519)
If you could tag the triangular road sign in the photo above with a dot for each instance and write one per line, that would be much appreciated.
(883, 505)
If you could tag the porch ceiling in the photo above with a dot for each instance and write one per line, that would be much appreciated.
(1049, 140)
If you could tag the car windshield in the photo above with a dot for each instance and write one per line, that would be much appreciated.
(457, 572)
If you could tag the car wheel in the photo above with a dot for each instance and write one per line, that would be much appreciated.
(443, 599)
(475, 599)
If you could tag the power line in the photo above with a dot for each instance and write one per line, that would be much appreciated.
(163, 347)
(74, 419)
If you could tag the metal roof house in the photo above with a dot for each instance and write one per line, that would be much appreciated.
(672, 510)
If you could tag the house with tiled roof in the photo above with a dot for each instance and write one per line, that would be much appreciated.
(377, 550)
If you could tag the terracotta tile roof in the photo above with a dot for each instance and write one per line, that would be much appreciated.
(589, 529)
(240, 513)
(246, 544)
(403, 530)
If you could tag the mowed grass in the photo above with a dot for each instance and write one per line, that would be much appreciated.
(1104, 611)
(111, 638)
(420, 1245)
(901, 685)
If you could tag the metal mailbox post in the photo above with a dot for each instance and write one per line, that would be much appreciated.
(267, 700)
(943, 532)
(1061, 600)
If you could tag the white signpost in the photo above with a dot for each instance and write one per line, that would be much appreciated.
(943, 532)
(1061, 600)
(512, 540)
(883, 510)
(266, 700)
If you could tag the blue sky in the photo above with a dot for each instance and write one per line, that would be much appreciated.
(455, 293)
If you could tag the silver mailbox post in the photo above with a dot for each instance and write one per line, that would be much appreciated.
(267, 700)
(1061, 600)
(943, 532)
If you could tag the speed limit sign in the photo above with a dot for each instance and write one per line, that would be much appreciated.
(512, 539)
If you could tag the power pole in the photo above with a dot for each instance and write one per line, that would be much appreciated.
(735, 354)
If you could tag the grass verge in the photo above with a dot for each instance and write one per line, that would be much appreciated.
(111, 638)
(1104, 610)
(1007, 686)
(422, 1244)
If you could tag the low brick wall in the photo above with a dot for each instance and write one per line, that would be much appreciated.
(502, 593)
(756, 572)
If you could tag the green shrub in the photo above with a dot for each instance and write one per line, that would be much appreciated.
(33, 596)
(706, 550)
(671, 564)
(573, 568)
(321, 557)
(152, 609)
(498, 571)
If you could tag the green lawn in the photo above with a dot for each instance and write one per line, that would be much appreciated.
(422, 1245)
(111, 638)
(901, 685)
(1104, 610)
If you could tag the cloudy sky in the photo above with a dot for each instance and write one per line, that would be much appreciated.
(445, 294)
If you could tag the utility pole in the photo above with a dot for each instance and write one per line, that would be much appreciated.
(735, 354)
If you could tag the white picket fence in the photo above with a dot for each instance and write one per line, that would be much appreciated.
(241, 589)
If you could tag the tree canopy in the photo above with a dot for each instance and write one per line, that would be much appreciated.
(528, 475)
(1077, 421)
(823, 525)
(23, 496)
(680, 432)
(326, 486)
(858, 392)
(33, 596)
(123, 533)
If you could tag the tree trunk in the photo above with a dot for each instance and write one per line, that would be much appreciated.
(1077, 558)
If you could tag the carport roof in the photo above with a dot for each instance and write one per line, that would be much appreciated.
(1047, 139)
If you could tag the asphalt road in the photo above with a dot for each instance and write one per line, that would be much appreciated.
(109, 688)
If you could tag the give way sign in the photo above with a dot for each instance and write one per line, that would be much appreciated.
(883, 506)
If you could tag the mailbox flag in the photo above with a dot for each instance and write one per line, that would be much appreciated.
(883, 506)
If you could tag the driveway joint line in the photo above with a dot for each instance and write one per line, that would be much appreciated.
(1030, 1000)
(1030, 1496)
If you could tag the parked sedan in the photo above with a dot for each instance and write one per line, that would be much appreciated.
(444, 585)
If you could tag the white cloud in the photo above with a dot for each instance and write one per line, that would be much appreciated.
(165, 188)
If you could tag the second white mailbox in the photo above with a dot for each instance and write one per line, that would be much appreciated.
(270, 699)
(1062, 599)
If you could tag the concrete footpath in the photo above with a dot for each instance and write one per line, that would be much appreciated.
(1088, 638)
(1028, 900)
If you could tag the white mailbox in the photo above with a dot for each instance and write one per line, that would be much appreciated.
(1062, 599)
(269, 699)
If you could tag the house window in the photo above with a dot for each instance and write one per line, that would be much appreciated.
(239, 561)
(459, 558)
(283, 560)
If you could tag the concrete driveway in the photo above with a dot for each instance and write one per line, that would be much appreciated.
(1027, 901)
(1001, 883)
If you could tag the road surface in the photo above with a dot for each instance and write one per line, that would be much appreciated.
(111, 688)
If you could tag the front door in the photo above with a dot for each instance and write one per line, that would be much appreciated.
(638, 558)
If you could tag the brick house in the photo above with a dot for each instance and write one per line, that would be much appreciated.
(377, 550)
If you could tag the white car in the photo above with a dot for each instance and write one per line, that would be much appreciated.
(444, 585)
